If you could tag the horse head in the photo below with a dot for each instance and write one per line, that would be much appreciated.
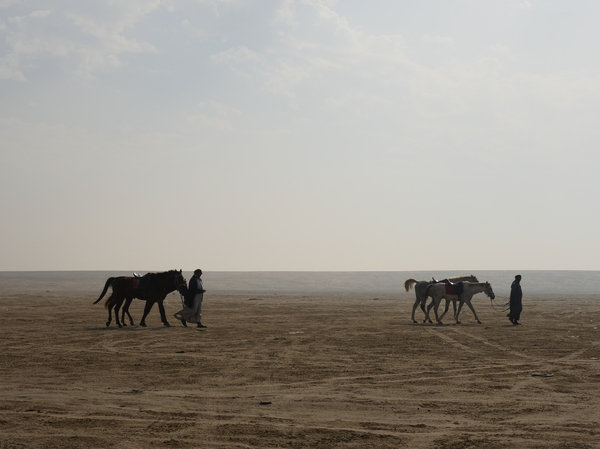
(488, 290)
(474, 279)
(180, 282)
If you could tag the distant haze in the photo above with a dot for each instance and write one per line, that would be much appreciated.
(534, 283)
(299, 135)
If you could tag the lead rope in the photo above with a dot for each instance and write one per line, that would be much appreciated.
(505, 307)
(181, 297)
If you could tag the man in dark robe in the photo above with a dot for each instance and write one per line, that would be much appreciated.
(192, 310)
(516, 301)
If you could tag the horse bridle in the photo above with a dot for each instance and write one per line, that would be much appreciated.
(488, 290)
(183, 281)
(177, 285)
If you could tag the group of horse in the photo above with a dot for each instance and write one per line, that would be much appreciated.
(154, 288)
(459, 289)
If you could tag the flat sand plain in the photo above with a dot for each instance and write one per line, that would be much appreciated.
(298, 372)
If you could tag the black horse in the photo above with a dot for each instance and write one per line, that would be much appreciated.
(152, 288)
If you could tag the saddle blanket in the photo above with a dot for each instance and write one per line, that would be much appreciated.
(454, 289)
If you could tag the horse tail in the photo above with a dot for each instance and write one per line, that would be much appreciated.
(108, 301)
(409, 283)
(108, 282)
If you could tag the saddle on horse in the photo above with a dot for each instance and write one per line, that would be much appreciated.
(142, 282)
(451, 289)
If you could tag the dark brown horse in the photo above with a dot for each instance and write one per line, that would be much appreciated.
(152, 288)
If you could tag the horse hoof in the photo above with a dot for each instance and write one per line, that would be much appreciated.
(478, 322)
(166, 324)
(143, 324)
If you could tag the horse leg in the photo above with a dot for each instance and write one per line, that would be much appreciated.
(109, 316)
(457, 313)
(147, 308)
(438, 319)
(163, 315)
(423, 304)
(117, 308)
(435, 304)
(109, 307)
(123, 314)
(445, 310)
(427, 312)
(419, 301)
(468, 302)
(129, 316)
(427, 319)
(415, 305)
(126, 311)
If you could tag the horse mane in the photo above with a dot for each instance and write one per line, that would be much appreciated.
(455, 277)
(164, 273)
(459, 277)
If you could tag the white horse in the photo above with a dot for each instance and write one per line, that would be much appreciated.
(438, 291)
(421, 295)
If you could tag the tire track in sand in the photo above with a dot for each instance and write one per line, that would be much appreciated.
(486, 342)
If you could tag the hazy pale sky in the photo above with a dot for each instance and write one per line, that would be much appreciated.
(299, 135)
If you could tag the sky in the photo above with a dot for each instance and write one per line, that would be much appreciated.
(299, 135)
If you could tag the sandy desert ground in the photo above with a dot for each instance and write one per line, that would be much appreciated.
(298, 372)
